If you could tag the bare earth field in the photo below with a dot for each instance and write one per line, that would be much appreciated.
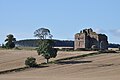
(97, 67)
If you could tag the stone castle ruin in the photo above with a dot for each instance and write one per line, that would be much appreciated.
(88, 39)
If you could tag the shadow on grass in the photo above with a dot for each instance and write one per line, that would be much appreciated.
(40, 66)
(22, 69)
(72, 62)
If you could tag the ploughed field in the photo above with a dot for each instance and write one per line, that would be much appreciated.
(98, 67)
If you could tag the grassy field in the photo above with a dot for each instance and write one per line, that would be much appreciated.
(97, 67)
(10, 59)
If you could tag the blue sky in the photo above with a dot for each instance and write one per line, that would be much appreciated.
(64, 18)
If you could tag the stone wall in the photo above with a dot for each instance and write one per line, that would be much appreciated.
(89, 39)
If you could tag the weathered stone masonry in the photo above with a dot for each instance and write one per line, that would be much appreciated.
(88, 39)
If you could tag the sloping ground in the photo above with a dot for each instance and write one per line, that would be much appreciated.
(98, 67)
(11, 59)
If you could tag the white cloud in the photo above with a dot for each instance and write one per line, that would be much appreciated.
(118, 31)
(115, 32)
(98, 30)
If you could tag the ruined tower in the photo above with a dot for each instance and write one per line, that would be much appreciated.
(88, 39)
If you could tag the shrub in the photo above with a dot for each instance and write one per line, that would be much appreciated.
(30, 62)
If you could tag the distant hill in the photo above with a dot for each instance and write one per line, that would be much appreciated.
(57, 43)
(112, 45)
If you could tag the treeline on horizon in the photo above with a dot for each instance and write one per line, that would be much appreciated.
(35, 43)
(57, 43)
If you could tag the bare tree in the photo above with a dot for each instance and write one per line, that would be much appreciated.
(43, 33)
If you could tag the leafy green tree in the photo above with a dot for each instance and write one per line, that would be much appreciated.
(10, 41)
(45, 45)
(43, 33)
(46, 50)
